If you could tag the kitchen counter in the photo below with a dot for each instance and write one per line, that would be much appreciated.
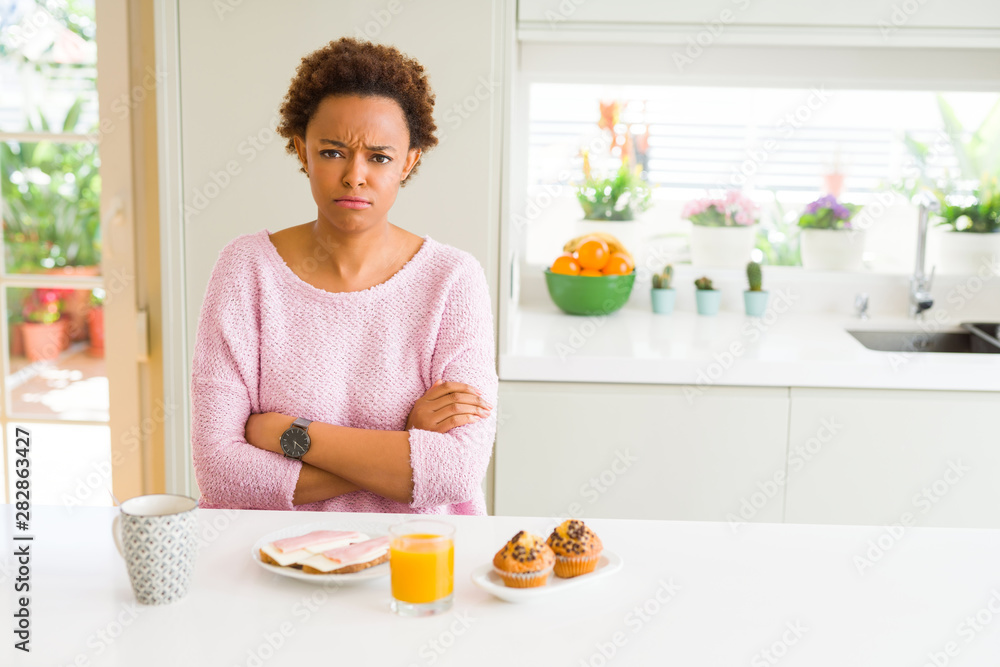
(689, 593)
(786, 349)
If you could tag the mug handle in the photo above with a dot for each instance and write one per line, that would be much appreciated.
(116, 532)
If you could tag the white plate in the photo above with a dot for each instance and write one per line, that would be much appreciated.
(490, 581)
(369, 529)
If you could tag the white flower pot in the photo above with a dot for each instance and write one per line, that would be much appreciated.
(832, 249)
(969, 253)
(722, 247)
(628, 232)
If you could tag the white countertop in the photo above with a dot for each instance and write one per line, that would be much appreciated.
(634, 345)
(794, 590)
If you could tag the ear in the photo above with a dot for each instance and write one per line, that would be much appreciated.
(412, 158)
(300, 148)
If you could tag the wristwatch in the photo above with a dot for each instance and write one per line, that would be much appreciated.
(295, 440)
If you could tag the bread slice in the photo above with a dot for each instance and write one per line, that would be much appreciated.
(357, 567)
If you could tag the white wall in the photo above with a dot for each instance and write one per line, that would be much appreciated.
(235, 61)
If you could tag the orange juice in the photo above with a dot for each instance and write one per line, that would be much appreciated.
(422, 567)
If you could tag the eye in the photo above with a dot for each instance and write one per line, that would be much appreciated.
(329, 150)
(382, 159)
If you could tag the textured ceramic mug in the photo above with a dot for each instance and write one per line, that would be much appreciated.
(157, 537)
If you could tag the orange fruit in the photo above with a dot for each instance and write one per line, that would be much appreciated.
(618, 265)
(590, 272)
(565, 264)
(593, 254)
(627, 258)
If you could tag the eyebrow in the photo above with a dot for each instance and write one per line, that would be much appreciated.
(341, 144)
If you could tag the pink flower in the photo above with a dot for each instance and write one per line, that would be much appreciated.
(733, 208)
(695, 207)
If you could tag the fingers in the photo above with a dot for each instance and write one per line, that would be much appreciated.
(442, 388)
(452, 409)
(458, 397)
(455, 421)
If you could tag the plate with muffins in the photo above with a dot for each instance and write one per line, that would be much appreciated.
(322, 553)
(528, 566)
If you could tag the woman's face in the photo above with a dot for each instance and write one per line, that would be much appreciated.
(356, 152)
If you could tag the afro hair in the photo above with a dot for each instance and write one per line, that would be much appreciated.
(351, 67)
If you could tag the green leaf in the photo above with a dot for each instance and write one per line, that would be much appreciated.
(73, 115)
(917, 149)
(987, 141)
(953, 128)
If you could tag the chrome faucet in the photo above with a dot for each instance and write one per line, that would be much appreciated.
(920, 282)
(861, 306)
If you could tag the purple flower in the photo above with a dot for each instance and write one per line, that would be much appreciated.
(826, 201)
(840, 212)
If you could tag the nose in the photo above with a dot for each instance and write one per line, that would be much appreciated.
(355, 174)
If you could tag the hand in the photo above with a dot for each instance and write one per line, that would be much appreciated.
(447, 405)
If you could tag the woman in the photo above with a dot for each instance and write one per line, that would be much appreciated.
(346, 364)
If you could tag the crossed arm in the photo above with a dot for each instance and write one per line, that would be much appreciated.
(342, 459)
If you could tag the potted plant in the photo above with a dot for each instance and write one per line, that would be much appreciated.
(723, 230)
(755, 299)
(612, 201)
(43, 330)
(95, 323)
(662, 294)
(967, 189)
(973, 236)
(827, 239)
(707, 298)
(618, 198)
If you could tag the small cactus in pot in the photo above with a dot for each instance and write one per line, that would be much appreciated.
(664, 278)
(755, 276)
(704, 283)
(707, 298)
(755, 298)
(662, 294)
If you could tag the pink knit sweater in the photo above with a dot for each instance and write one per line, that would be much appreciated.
(270, 342)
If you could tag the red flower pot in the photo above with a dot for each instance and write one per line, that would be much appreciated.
(44, 341)
(95, 320)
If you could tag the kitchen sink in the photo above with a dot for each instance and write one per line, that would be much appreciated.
(975, 339)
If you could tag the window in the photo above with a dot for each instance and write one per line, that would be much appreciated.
(783, 147)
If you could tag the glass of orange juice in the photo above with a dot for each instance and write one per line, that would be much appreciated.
(422, 566)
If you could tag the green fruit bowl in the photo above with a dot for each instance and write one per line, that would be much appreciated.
(589, 295)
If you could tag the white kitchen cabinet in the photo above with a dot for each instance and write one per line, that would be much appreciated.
(862, 456)
(792, 14)
(640, 451)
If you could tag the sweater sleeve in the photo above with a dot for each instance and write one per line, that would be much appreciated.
(232, 473)
(448, 468)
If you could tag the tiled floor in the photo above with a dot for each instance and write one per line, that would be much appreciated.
(74, 386)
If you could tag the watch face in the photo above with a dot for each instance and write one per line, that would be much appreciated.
(295, 442)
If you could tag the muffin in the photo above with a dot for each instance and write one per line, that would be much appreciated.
(524, 562)
(576, 547)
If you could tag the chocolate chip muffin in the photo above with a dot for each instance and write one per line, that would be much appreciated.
(525, 561)
(577, 548)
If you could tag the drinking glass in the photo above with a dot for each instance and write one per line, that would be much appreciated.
(422, 567)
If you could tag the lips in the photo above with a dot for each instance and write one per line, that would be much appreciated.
(352, 202)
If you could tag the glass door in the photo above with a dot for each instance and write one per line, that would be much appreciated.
(51, 285)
